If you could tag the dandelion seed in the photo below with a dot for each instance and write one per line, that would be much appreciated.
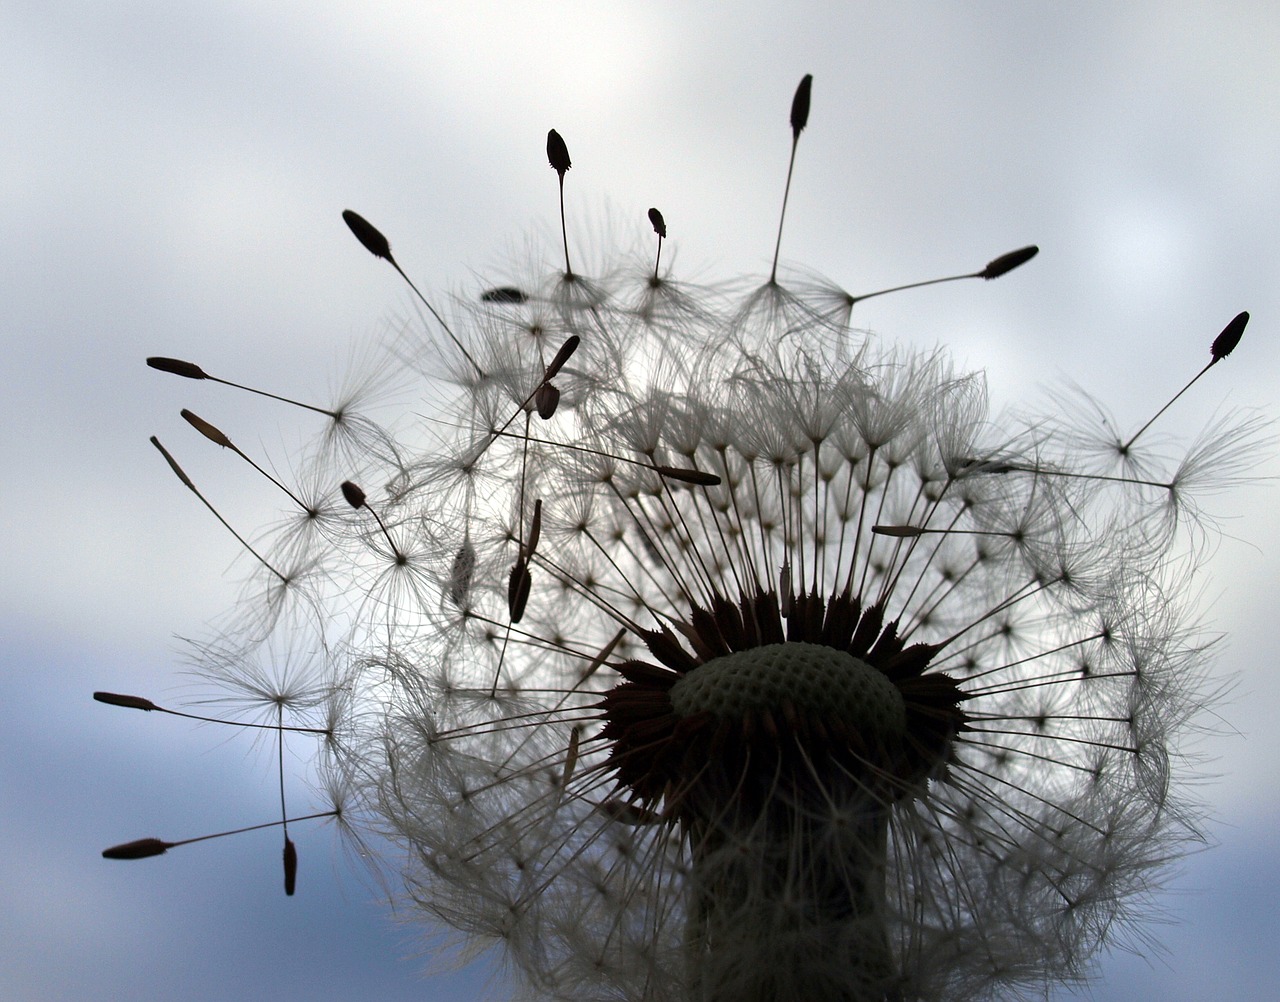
(1005, 263)
(811, 679)
(799, 119)
(142, 703)
(192, 371)
(146, 847)
(357, 499)
(547, 400)
(558, 157)
(290, 866)
(218, 437)
(1223, 345)
(187, 482)
(375, 243)
(504, 294)
(1001, 265)
(660, 228)
(243, 684)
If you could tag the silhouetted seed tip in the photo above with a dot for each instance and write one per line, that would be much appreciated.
(177, 366)
(546, 398)
(800, 105)
(173, 464)
(140, 849)
(535, 529)
(659, 224)
(1225, 343)
(518, 590)
(119, 699)
(290, 866)
(558, 153)
(1007, 262)
(967, 465)
(353, 494)
(571, 757)
(689, 476)
(503, 294)
(563, 355)
(368, 234)
(464, 565)
(603, 656)
(628, 814)
(901, 531)
(206, 429)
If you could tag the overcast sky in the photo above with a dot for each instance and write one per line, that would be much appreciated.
(171, 182)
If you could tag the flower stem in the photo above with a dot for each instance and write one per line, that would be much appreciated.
(789, 909)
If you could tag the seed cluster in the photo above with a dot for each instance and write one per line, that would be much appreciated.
(693, 646)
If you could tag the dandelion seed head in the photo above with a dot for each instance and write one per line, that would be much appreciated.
(818, 759)
(699, 647)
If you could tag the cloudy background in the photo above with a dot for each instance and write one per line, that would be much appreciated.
(171, 180)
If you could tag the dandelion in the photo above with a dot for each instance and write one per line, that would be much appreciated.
(696, 647)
